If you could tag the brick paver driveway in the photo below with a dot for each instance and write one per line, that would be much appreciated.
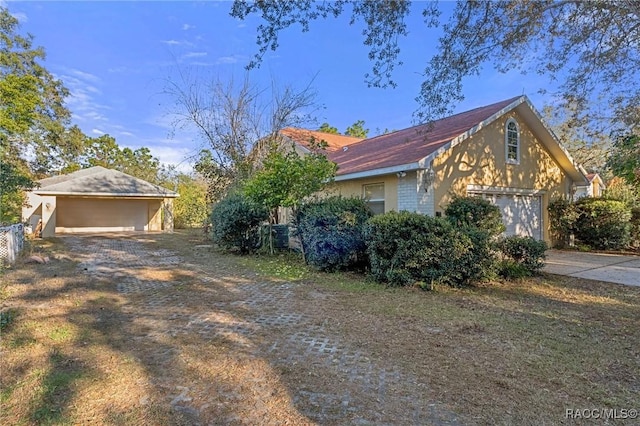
(254, 321)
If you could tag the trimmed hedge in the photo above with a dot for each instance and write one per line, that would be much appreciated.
(562, 221)
(522, 256)
(236, 222)
(412, 249)
(330, 231)
(602, 224)
(475, 212)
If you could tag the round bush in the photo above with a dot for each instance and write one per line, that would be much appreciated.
(330, 232)
(476, 212)
(602, 224)
(235, 223)
(522, 254)
(409, 248)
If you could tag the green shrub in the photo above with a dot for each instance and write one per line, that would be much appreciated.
(330, 231)
(562, 221)
(476, 212)
(409, 248)
(635, 228)
(522, 256)
(602, 224)
(235, 223)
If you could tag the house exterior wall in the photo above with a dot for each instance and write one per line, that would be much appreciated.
(76, 214)
(481, 161)
(354, 188)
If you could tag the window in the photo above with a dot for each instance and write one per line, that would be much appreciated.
(512, 141)
(374, 194)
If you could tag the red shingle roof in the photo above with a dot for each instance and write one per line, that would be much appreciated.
(409, 145)
(304, 136)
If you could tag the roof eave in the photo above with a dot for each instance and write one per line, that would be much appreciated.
(104, 194)
(379, 172)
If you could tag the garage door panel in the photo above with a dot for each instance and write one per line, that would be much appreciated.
(91, 215)
(521, 214)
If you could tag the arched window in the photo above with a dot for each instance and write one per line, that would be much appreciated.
(512, 141)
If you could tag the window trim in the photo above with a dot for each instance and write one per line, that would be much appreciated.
(506, 142)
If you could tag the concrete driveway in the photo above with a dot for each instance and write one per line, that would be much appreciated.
(612, 268)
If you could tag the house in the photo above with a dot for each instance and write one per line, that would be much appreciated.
(594, 188)
(98, 200)
(502, 152)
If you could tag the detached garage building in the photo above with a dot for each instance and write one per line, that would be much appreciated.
(98, 200)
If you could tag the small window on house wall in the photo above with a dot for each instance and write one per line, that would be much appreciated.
(374, 194)
(512, 141)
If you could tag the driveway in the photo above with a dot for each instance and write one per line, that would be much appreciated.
(612, 268)
(257, 321)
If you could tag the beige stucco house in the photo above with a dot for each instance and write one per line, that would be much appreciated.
(98, 200)
(503, 152)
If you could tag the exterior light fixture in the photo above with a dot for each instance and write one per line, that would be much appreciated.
(401, 174)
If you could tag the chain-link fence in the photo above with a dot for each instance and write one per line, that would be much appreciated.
(11, 242)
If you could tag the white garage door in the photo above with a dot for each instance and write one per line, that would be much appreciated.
(521, 214)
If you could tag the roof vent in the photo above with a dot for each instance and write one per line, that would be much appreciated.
(345, 148)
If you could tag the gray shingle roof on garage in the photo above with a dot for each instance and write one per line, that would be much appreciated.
(99, 181)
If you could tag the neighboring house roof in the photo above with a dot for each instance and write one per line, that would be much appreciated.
(591, 177)
(414, 148)
(303, 137)
(102, 182)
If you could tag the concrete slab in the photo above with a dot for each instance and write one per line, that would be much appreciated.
(621, 269)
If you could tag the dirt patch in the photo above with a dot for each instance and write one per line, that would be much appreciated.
(152, 329)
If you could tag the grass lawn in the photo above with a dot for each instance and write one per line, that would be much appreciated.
(500, 353)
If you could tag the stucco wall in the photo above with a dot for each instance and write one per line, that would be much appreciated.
(353, 188)
(481, 160)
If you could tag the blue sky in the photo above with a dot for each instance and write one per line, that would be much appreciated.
(115, 58)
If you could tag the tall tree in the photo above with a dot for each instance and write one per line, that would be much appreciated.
(232, 120)
(32, 112)
(589, 47)
(357, 130)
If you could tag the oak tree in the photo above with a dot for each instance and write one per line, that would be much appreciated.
(589, 48)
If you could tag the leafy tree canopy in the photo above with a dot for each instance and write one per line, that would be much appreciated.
(32, 111)
(327, 128)
(287, 178)
(357, 130)
(589, 47)
(624, 159)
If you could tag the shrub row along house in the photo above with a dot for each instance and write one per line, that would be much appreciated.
(502, 152)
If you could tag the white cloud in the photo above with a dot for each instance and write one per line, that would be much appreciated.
(194, 55)
(187, 27)
(125, 134)
(84, 75)
(97, 132)
(225, 60)
(82, 99)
